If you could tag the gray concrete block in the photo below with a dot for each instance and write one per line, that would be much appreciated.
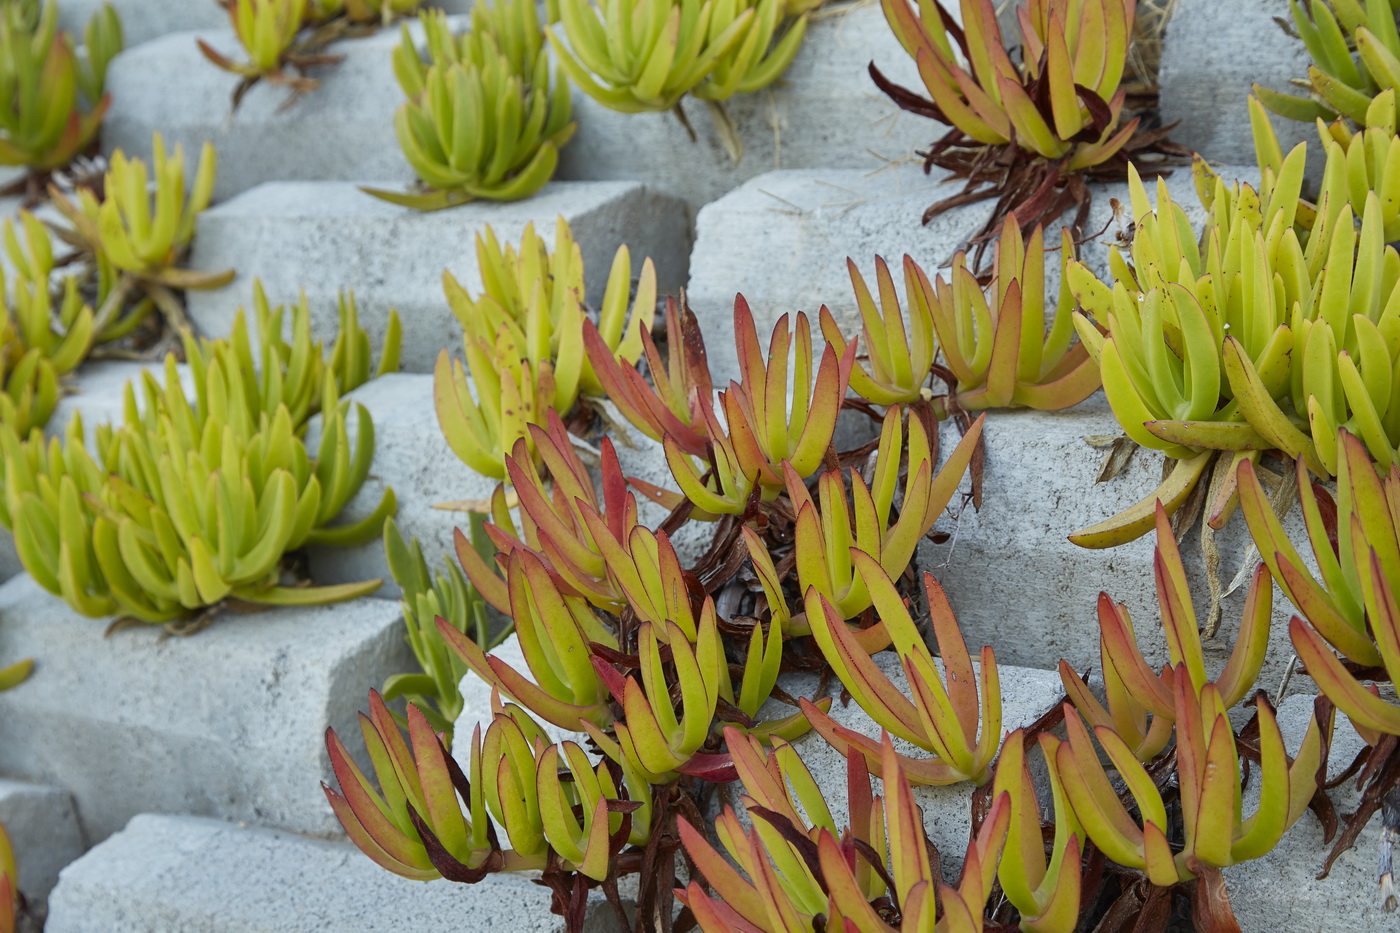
(227, 723)
(43, 830)
(342, 130)
(322, 237)
(412, 457)
(143, 20)
(782, 240)
(1211, 54)
(825, 112)
(1280, 891)
(202, 876)
(1018, 583)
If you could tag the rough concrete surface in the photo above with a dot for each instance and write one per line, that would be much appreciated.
(165, 873)
(342, 130)
(229, 722)
(1015, 580)
(1212, 53)
(322, 237)
(782, 240)
(825, 111)
(44, 834)
(143, 20)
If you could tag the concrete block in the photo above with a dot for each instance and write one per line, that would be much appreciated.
(782, 240)
(326, 236)
(227, 723)
(1211, 54)
(1015, 580)
(143, 20)
(43, 830)
(412, 457)
(203, 876)
(342, 130)
(825, 112)
(1280, 891)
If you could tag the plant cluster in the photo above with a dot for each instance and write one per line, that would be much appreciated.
(485, 115)
(284, 39)
(52, 101)
(638, 56)
(666, 671)
(1028, 132)
(134, 235)
(1267, 333)
(192, 504)
(531, 345)
(1355, 47)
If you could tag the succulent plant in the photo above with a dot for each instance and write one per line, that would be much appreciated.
(636, 56)
(1355, 48)
(187, 504)
(269, 30)
(1217, 834)
(760, 433)
(9, 881)
(794, 874)
(829, 532)
(1023, 133)
(523, 339)
(1140, 705)
(938, 713)
(39, 343)
(52, 103)
(487, 118)
(559, 813)
(670, 399)
(137, 239)
(425, 598)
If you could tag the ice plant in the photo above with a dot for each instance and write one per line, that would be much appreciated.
(801, 873)
(39, 342)
(1355, 48)
(1025, 133)
(142, 236)
(1217, 834)
(760, 432)
(947, 714)
(831, 527)
(430, 819)
(524, 341)
(1197, 332)
(426, 598)
(997, 343)
(1047, 894)
(1140, 705)
(268, 31)
(188, 503)
(51, 102)
(555, 632)
(899, 347)
(636, 56)
(672, 396)
(486, 120)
